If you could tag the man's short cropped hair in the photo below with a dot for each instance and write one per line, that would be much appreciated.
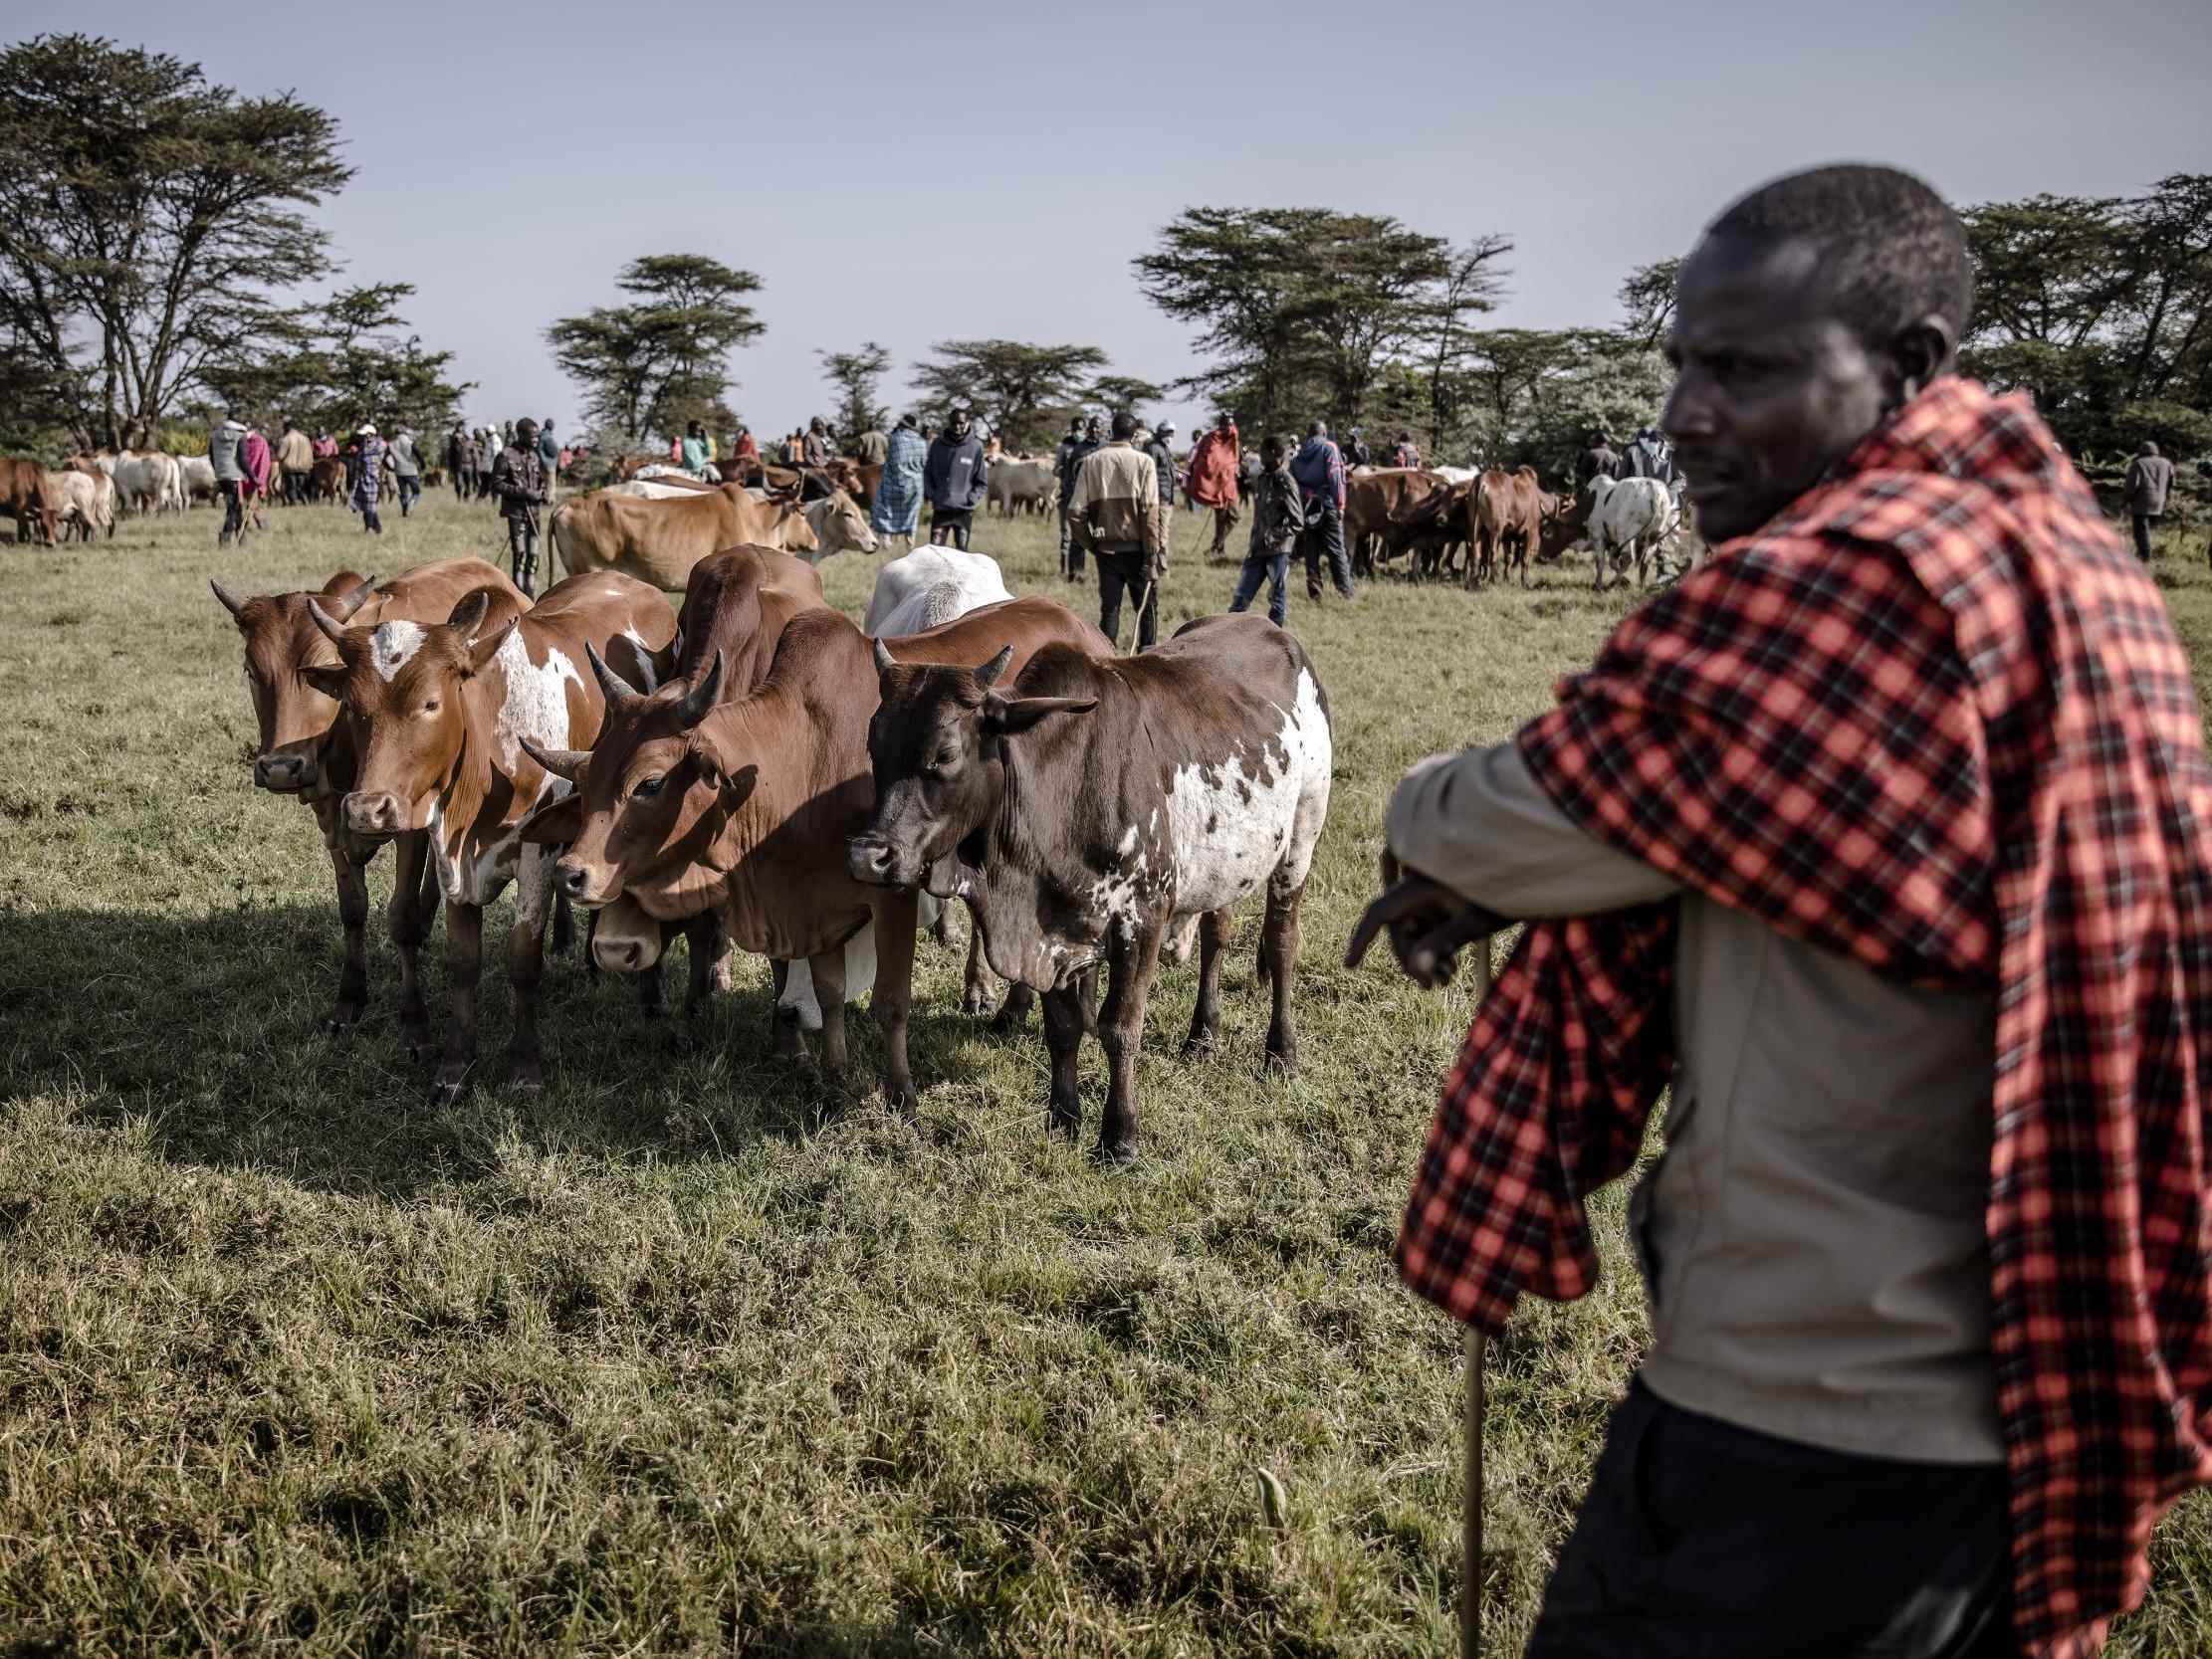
(1892, 250)
(1125, 425)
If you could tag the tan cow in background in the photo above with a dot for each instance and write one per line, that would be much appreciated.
(659, 542)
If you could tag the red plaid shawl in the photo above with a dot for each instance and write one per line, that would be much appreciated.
(1935, 718)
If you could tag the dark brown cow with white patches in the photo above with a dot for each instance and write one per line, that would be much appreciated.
(690, 803)
(308, 753)
(1087, 806)
(440, 717)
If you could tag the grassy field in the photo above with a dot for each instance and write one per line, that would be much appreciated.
(656, 1361)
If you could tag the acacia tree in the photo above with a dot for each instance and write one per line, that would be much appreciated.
(1648, 301)
(661, 361)
(1018, 387)
(348, 359)
(855, 377)
(146, 218)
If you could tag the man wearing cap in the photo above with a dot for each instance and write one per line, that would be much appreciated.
(519, 480)
(954, 479)
(2150, 482)
(1211, 479)
(1161, 447)
(1650, 456)
(368, 466)
(1083, 440)
(230, 476)
(1356, 451)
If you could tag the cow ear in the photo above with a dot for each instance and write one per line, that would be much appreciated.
(706, 760)
(555, 824)
(1004, 716)
(482, 651)
(468, 615)
(326, 678)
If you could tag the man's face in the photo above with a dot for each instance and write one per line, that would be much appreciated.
(958, 427)
(1096, 430)
(1771, 388)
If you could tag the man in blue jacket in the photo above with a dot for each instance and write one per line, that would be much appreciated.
(1320, 469)
(954, 482)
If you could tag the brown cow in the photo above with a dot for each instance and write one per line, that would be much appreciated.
(439, 716)
(326, 480)
(1094, 806)
(25, 497)
(308, 753)
(746, 808)
(658, 541)
(1506, 513)
(1393, 510)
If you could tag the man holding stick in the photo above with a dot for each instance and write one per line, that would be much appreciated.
(1880, 840)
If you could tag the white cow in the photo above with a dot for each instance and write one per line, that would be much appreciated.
(1454, 474)
(930, 586)
(1631, 516)
(1019, 483)
(197, 473)
(85, 500)
(658, 483)
(147, 481)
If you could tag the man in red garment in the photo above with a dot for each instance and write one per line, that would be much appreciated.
(1210, 479)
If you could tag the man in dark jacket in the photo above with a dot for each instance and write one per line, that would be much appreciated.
(460, 460)
(519, 480)
(1083, 439)
(1161, 447)
(2150, 482)
(954, 479)
(1356, 451)
(1600, 460)
(1319, 469)
(1276, 521)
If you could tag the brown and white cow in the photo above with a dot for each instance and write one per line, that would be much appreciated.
(689, 804)
(306, 751)
(1086, 807)
(658, 541)
(440, 715)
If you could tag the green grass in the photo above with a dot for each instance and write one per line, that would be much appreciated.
(657, 1362)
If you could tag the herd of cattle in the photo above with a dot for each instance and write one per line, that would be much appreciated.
(1503, 521)
(757, 772)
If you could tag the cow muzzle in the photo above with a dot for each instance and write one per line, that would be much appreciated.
(285, 774)
(579, 884)
(876, 863)
(627, 953)
(374, 815)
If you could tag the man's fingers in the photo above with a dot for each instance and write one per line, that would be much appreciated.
(1373, 921)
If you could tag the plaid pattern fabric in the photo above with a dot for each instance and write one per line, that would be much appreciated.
(1935, 718)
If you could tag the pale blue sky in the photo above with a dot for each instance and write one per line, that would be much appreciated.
(909, 172)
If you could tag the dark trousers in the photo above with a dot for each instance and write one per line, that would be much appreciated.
(410, 492)
(1071, 556)
(233, 492)
(1703, 1540)
(1118, 571)
(1274, 571)
(464, 483)
(484, 485)
(2144, 521)
(1323, 538)
(948, 526)
(295, 488)
(521, 552)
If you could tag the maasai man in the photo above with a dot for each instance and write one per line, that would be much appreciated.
(898, 504)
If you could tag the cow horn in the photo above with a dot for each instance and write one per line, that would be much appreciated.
(618, 692)
(987, 676)
(561, 762)
(345, 605)
(700, 698)
(231, 602)
(332, 629)
(885, 662)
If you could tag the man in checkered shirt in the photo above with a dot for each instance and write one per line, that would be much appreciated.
(1880, 841)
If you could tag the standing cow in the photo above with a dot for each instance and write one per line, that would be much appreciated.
(1091, 805)
(25, 497)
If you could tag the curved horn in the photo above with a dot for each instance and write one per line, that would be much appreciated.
(561, 762)
(345, 605)
(332, 629)
(618, 692)
(885, 662)
(700, 698)
(987, 676)
(231, 602)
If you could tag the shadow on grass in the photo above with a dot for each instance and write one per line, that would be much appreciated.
(210, 1030)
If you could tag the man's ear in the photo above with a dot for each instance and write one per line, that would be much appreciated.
(326, 678)
(1004, 716)
(1921, 352)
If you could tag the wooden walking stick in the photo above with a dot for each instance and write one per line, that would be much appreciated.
(1471, 1571)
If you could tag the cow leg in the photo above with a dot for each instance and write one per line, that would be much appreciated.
(975, 997)
(463, 942)
(1215, 929)
(1121, 1032)
(525, 965)
(415, 895)
(1280, 944)
(1064, 1039)
(652, 984)
(829, 969)
(784, 1042)
(710, 962)
(893, 998)
(940, 930)
(1014, 1013)
(353, 915)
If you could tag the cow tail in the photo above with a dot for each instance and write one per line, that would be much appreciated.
(553, 560)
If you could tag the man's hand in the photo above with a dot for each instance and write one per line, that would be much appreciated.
(1429, 925)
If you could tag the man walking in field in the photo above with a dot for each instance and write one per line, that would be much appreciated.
(406, 469)
(1879, 837)
(295, 460)
(2150, 482)
(521, 482)
(1276, 521)
(1083, 442)
(953, 478)
(1210, 479)
(230, 476)
(1319, 469)
(1115, 513)
(460, 460)
(1161, 447)
(488, 447)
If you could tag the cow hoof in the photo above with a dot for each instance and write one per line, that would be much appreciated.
(528, 1077)
(448, 1092)
(1011, 1017)
(343, 1015)
(1198, 1048)
(974, 1002)
(1068, 1124)
(1115, 1155)
(1282, 1062)
(900, 1098)
(418, 1045)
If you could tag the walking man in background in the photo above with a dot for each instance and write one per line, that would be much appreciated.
(1598, 460)
(1115, 513)
(897, 508)
(460, 460)
(488, 447)
(1083, 441)
(295, 459)
(1161, 447)
(1319, 469)
(257, 462)
(1356, 451)
(549, 454)
(1405, 453)
(230, 476)
(521, 482)
(406, 469)
(1277, 518)
(819, 449)
(955, 478)
(1914, 930)
(367, 456)
(1650, 456)
(1212, 478)
(871, 447)
(2150, 482)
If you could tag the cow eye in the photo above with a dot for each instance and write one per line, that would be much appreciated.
(648, 787)
(431, 707)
